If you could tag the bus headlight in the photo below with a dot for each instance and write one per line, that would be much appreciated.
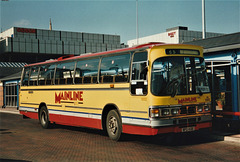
(165, 112)
(175, 111)
(154, 113)
(200, 108)
(207, 108)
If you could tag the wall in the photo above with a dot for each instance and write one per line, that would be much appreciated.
(166, 37)
(1, 94)
(7, 33)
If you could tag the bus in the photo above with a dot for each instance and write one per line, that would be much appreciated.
(148, 89)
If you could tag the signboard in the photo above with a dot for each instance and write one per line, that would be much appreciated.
(172, 34)
(25, 30)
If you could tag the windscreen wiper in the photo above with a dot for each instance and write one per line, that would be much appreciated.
(175, 88)
(175, 84)
(200, 91)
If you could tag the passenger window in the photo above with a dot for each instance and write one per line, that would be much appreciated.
(139, 73)
(25, 76)
(65, 73)
(46, 74)
(33, 76)
(115, 69)
(86, 71)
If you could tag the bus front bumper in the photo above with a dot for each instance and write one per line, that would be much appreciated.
(170, 126)
(131, 129)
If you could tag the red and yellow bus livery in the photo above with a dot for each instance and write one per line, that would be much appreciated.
(147, 89)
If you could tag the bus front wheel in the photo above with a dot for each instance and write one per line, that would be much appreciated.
(44, 118)
(113, 125)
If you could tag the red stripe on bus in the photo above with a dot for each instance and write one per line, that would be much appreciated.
(31, 115)
(68, 120)
(76, 121)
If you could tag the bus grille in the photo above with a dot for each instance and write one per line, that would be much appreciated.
(191, 110)
(188, 110)
(188, 121)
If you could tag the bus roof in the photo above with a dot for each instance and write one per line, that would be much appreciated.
(71, 57)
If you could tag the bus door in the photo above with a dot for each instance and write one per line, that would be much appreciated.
(139, 84)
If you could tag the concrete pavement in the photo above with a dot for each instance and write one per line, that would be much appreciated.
(10, 110)
(24, 139)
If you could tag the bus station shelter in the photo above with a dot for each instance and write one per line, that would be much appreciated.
(222, 56)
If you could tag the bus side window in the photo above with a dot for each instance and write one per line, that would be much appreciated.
(115, 69)
(64, 73)
(25, 76)
(33, 76)
(46, 74)
(139, 74)
(86, 71)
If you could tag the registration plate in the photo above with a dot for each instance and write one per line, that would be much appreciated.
(188, 129)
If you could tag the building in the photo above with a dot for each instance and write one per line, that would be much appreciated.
(177, 34)
(21, 46)
(24, 45)
(222, 56)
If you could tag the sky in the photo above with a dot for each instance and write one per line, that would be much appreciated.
(119, 16)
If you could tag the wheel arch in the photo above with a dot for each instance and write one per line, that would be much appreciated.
(105, 111)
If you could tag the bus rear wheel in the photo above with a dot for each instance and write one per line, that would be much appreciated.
(114, 125)
(44, 118)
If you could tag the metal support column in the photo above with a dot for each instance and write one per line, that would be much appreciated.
(234, 79)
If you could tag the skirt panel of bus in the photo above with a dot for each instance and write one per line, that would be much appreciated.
(67, 120)
(75, 121)
(96, 123)
(140, 130)
(32, 115)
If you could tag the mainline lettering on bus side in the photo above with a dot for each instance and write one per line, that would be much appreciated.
(187, 100)
(68, 95)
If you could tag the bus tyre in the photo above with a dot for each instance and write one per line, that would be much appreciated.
(114, 125)
(44, 118)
